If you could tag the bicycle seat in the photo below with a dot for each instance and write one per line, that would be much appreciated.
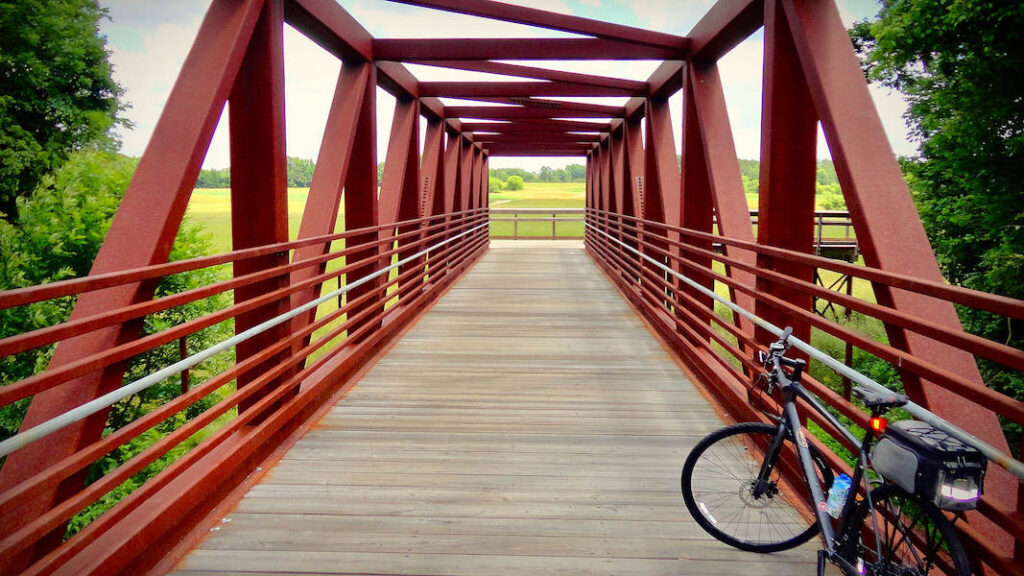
(880, 401)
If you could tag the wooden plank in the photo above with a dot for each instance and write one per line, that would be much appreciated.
(528, 425)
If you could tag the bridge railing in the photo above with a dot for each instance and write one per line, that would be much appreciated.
(537, 223)
(386, 275)
(833, 229)
(718, 346)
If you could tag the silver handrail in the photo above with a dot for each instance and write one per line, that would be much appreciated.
(1007, 461)
(78, 413)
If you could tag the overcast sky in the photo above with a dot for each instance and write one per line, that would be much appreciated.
(149, 40)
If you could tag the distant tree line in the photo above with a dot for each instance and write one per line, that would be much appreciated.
(300, 175)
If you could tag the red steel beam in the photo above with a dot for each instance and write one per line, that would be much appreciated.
(141, 234)
(519, 89)
(259, 193)
(320, 216)
(515, 113)
(495, 150)
(697, 207)
(556, 21)
(465, 172)
(728, 23)
(537, 138)
(451, 172)
(888, 228)
(723, 172)
(504, 69)
(526, 125)
(635, 167)
(561, 106)
(331, 27)
(360, 196)
(432, 170)
(789, 134)
(398, 198)
(407, 49)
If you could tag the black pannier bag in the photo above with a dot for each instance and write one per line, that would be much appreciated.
(931, 464)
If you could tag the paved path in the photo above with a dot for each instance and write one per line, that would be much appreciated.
(528, 425)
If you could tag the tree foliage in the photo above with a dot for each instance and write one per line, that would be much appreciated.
(960, 64)
(56, 91)
(514, 183)
(300, 175)
(60, 231)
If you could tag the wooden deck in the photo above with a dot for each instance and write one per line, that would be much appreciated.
(528, 425)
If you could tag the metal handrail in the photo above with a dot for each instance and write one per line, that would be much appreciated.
(79, 413)
(554, 220)
(1007, 461)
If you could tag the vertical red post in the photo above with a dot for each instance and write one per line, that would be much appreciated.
(486, 181)
(432, 169)
(399, 197)
(607, 200)
(661, 196)
(465, 173)
(635, 176)
(259, 180)
(361, 200)
(320, 215)
(723, 173)
(618, 175)
(478, 163)
(696, 202)
(788, 167)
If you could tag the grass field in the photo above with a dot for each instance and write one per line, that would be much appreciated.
(211, 209)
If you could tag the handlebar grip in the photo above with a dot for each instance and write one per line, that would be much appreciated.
(786, 333)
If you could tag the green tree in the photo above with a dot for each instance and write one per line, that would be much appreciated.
(494, 185)
(960, 63)
(577, 172)
(514, 183)
(41, 248)
(214, 178)
(300, 172)
(56, 91)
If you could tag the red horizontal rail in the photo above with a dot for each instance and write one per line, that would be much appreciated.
(965, 296)
(413, 285)
(45, 380)
(691, 325)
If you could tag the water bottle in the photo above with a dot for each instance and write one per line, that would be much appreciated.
(837, 495)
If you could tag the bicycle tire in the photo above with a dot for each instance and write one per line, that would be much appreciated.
(901, 514)
(712, 490)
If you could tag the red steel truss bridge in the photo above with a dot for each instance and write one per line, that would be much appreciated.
(406, 396)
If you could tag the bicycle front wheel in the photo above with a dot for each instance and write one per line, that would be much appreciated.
(718, 486)
(914, 538)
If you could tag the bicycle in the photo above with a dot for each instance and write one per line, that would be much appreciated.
(889, 524)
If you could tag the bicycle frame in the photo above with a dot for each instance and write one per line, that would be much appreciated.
(790, 426)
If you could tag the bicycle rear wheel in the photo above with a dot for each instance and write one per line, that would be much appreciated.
(916, 538)
(717, 484)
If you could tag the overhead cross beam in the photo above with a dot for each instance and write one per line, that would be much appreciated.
(520, 71)
(519, 89)
(408, 49)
